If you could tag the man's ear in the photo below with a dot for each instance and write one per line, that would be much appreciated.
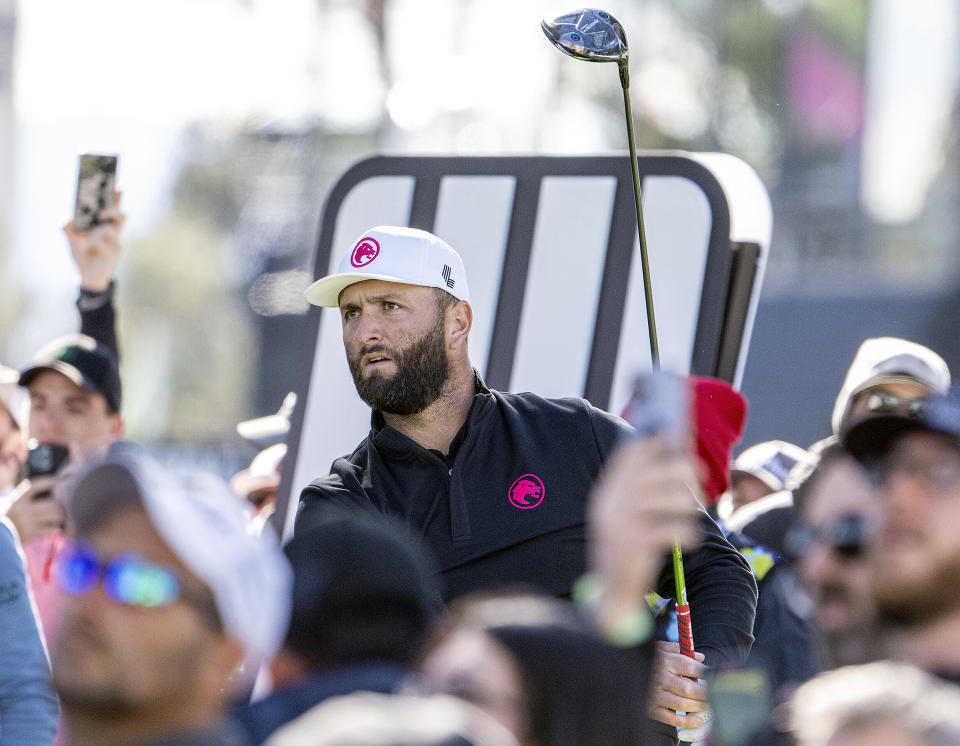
(459, 321)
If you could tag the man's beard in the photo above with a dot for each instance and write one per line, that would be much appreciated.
(919, 601)
(418, 381)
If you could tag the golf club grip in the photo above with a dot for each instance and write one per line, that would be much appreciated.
(684, 631)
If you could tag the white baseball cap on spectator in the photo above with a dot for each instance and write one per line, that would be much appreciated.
(884, 360)
(203, 524)
(263, 472)
(771, 462)
(395, 254)
(271, 429)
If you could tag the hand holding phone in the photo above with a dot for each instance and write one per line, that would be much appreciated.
(45, 459)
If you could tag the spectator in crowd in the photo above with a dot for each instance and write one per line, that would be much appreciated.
(364, 597)
(14, 416)
(169, 595)
(888, 376)
(258, 483)
(74, 387)
(496, 482)
(876, 703)
(74, 401)
(837, 512)
(547, 680)
(28, 706)
(916, 565)
(759, 471)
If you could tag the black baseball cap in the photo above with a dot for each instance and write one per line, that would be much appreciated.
(871, 440)
(82, 359)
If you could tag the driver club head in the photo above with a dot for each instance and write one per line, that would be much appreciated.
(588, 34)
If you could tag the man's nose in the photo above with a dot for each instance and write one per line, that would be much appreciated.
(901, 490)
(369, 329)
(816, 564)
(47, 427)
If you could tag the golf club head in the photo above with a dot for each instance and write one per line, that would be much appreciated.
(588, 34)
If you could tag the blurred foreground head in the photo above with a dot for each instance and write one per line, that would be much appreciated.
(888, 376)
(169, 596)
(363, 592)
(876, 703)
(368, 719)
(528, 663)
(832, 539)
(916, 568)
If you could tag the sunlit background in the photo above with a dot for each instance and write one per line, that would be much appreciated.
(233, 118)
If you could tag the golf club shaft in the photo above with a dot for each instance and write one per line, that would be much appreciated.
(644, 261)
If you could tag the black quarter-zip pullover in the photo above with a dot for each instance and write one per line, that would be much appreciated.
(507, 505)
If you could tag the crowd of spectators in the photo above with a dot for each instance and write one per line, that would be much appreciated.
(485, 567)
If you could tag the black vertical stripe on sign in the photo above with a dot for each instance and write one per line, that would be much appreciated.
(513, 283)
(613, 294)
(423, 206)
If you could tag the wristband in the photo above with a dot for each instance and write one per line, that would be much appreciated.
(627, 631)
(91, 300)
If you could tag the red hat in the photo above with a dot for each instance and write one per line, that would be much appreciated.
(720, 412)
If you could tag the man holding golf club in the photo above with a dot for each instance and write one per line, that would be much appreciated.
(497, 483)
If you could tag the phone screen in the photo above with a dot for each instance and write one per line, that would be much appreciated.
(659, 405)
(96, 189)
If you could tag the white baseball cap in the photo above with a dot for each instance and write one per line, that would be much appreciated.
(263, 472)
(204, 524)
(394, 254)
(771, 462)
(890, 360)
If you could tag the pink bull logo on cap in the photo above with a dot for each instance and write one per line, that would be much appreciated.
(364, 252)
(526, 492)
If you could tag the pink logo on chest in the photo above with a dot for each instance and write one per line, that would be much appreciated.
(526, 492)
(364, 252)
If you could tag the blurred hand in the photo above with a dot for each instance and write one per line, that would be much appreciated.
(675, 687)
(32, 517)
(96, 252)
(641, 505)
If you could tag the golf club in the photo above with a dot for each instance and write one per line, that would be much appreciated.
(596, 36)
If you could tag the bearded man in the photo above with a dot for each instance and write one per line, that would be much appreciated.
(916, 565)
(496, 483)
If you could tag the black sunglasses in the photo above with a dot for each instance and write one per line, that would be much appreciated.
(847, 535)
(882, 402)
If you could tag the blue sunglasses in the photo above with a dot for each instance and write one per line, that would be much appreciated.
(127, 578)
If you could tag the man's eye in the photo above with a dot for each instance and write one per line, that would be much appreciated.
(389, 305)
(351, 313)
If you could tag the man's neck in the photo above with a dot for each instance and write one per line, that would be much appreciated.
(934, 646)
(436, 426)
